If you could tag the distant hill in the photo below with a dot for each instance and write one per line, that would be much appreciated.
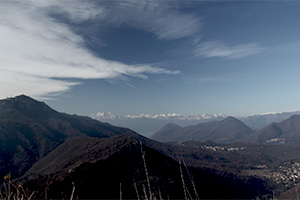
(224, 131)
(166, 133)
(260, 121)
(30, 129)
(286, 132)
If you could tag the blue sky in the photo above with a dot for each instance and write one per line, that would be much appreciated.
(134, 57)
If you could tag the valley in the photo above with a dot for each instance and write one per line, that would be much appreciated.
(51, 153)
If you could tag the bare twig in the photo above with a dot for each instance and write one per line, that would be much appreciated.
(297, 195)
(182, 179)
(188, 192)
(191, 178)
(73, 190)
(146, 171)
(9, 185)
(31, 195)
(1, 196)
(145, 193)
(160, 198)
(120, 191)
(137, 193)
(13, 191)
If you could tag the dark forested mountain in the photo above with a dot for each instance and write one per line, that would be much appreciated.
(286, 132)
(166, 133)
(99, 167)
(30, 129)
(225, 131)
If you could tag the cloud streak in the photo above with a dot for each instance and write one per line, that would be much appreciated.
(36, 49)
(219, 49)
(158, 18)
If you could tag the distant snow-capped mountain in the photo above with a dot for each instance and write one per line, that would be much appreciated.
(147, 124)
(168, 116)
(104, 115)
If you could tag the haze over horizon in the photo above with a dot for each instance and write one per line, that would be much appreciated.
(153, 57)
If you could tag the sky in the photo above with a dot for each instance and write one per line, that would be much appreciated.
(131, 57)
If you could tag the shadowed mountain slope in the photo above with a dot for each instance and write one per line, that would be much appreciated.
(166, 133)
(30, 129)
(225, 131)
(97, 167)
(286, 132)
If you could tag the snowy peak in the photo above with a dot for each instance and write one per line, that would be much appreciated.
(104, 115)
(168, 116)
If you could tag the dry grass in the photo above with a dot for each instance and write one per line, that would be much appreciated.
(15, 191)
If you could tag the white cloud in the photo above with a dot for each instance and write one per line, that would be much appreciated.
(36, 49)
(219, 49)
(13, 83)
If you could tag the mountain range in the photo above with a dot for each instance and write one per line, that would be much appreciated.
(55, 154)
(232, 130)
(147, 124)
(286, 132)
(260, 121)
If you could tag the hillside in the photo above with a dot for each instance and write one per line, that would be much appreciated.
(97, 167)
(30, 129)
(166, 133)
(257, 122)
(286, 132)
(225, 131)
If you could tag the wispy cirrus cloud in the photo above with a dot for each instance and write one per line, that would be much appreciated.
(162, 18)
(219, 49)
(13, 83)
(40, 54)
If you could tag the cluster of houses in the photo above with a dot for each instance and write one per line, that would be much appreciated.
(218, 148)
(287, 175)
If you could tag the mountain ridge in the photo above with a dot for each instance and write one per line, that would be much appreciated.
(30, 129)
(227, 130)
(286, 132)
(104, 163)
